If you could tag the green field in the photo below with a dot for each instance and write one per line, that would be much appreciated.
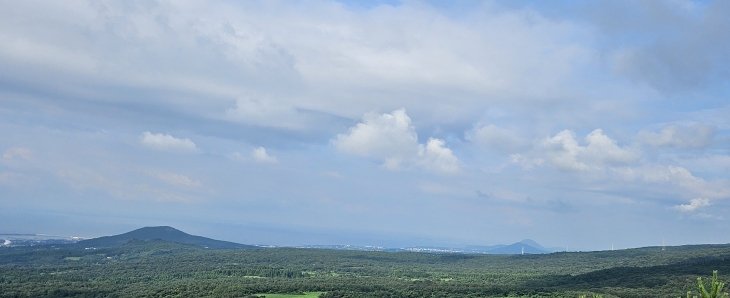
(157, 268)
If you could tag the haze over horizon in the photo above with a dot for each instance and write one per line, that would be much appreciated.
(385, 123)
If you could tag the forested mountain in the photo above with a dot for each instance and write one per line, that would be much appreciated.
(159, 268)
(163, 233)
(517, 248)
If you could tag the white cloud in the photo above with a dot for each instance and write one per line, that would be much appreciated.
(387, 136)
(564, 151)
(693, 205)
(315, 56)
(603, 149)
(392, 138)
(693, 136)
(178, 179)
(259, 155)
(267, 72)
(16, 152)
(436, 157)
(677, 178)
(165, 142)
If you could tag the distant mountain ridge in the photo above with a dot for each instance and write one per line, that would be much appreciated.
(519, 248)
(170, 234)
(534, 244)
(163, 233)
(527, 246)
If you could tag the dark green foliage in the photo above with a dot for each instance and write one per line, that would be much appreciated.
(715, 288)
(157, 268)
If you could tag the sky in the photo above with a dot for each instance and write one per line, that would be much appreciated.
(392, 123)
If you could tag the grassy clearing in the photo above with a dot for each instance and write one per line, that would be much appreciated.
(306, 295)
(72, 258)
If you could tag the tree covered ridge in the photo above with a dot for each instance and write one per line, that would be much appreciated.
(157, 268)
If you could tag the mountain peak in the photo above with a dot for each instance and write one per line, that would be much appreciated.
(165, 233)
(532, 243)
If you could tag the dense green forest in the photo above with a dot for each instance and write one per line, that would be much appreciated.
(156, 268)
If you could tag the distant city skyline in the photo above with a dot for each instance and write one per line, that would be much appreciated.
(387, 123)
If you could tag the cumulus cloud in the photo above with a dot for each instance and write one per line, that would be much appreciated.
(259, 155)
(391, 137)
(564, 151)
(436, 157)
(603, 149)
(693, 136)
(693, 205)
(387, 136)
(165, 142)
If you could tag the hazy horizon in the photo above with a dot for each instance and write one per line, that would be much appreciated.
(368, 122)
(377, 241)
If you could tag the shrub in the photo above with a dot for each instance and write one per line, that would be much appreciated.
(715, 288)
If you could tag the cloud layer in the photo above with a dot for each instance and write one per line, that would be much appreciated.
(414, 118)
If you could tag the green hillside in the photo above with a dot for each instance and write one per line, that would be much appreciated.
(158, 268)
(164, 233)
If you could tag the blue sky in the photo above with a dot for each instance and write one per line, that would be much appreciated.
(369, 123)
